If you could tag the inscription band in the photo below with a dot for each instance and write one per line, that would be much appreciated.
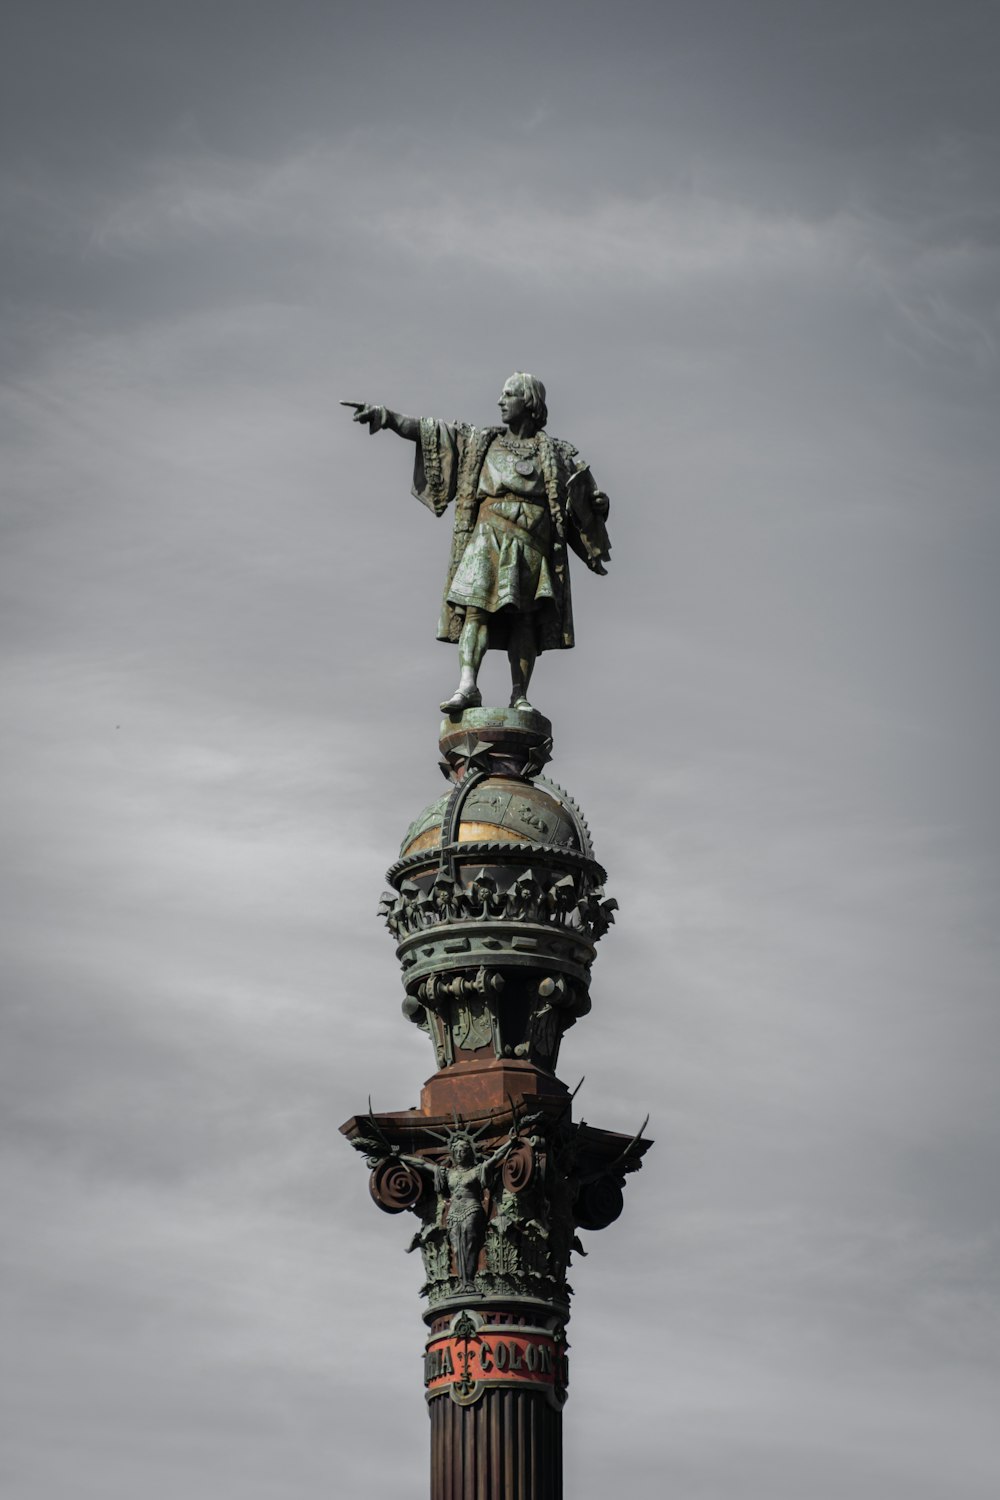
(470, 1357)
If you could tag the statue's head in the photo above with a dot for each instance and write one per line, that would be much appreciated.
(529, 394)
(462, 1151)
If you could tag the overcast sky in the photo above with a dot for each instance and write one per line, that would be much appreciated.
(752, 248)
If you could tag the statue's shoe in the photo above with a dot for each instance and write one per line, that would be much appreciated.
(522, 704)
(460, 701)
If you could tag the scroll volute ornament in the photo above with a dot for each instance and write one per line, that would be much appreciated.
(394, 1186)
(599, 1203)
(519, 1167)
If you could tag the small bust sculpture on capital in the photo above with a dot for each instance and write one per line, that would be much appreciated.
(520, 498)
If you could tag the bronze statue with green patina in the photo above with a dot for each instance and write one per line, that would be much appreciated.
(521, 498)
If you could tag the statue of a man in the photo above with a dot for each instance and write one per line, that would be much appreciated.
(520, 498)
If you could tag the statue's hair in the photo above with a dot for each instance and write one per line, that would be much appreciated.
(460, 1133)
(533, 393)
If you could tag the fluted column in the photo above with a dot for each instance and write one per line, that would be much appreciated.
(508, 1446)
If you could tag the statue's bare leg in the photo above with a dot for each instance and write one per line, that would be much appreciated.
(471, 650)
(521, 653)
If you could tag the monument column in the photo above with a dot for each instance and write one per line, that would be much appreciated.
(496, 906)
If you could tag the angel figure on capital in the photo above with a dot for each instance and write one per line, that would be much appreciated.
(462, 1185)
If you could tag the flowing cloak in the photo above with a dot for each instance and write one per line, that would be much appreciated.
(448, 466)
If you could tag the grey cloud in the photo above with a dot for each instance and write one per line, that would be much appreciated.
(752, 251)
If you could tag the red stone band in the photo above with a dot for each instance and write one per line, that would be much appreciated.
(463, 1367)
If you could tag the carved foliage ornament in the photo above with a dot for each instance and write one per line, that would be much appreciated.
(562, 902)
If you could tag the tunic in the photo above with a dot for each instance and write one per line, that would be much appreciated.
(508, 555)
(505, 562)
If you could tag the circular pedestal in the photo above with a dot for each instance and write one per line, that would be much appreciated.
(507, 741)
